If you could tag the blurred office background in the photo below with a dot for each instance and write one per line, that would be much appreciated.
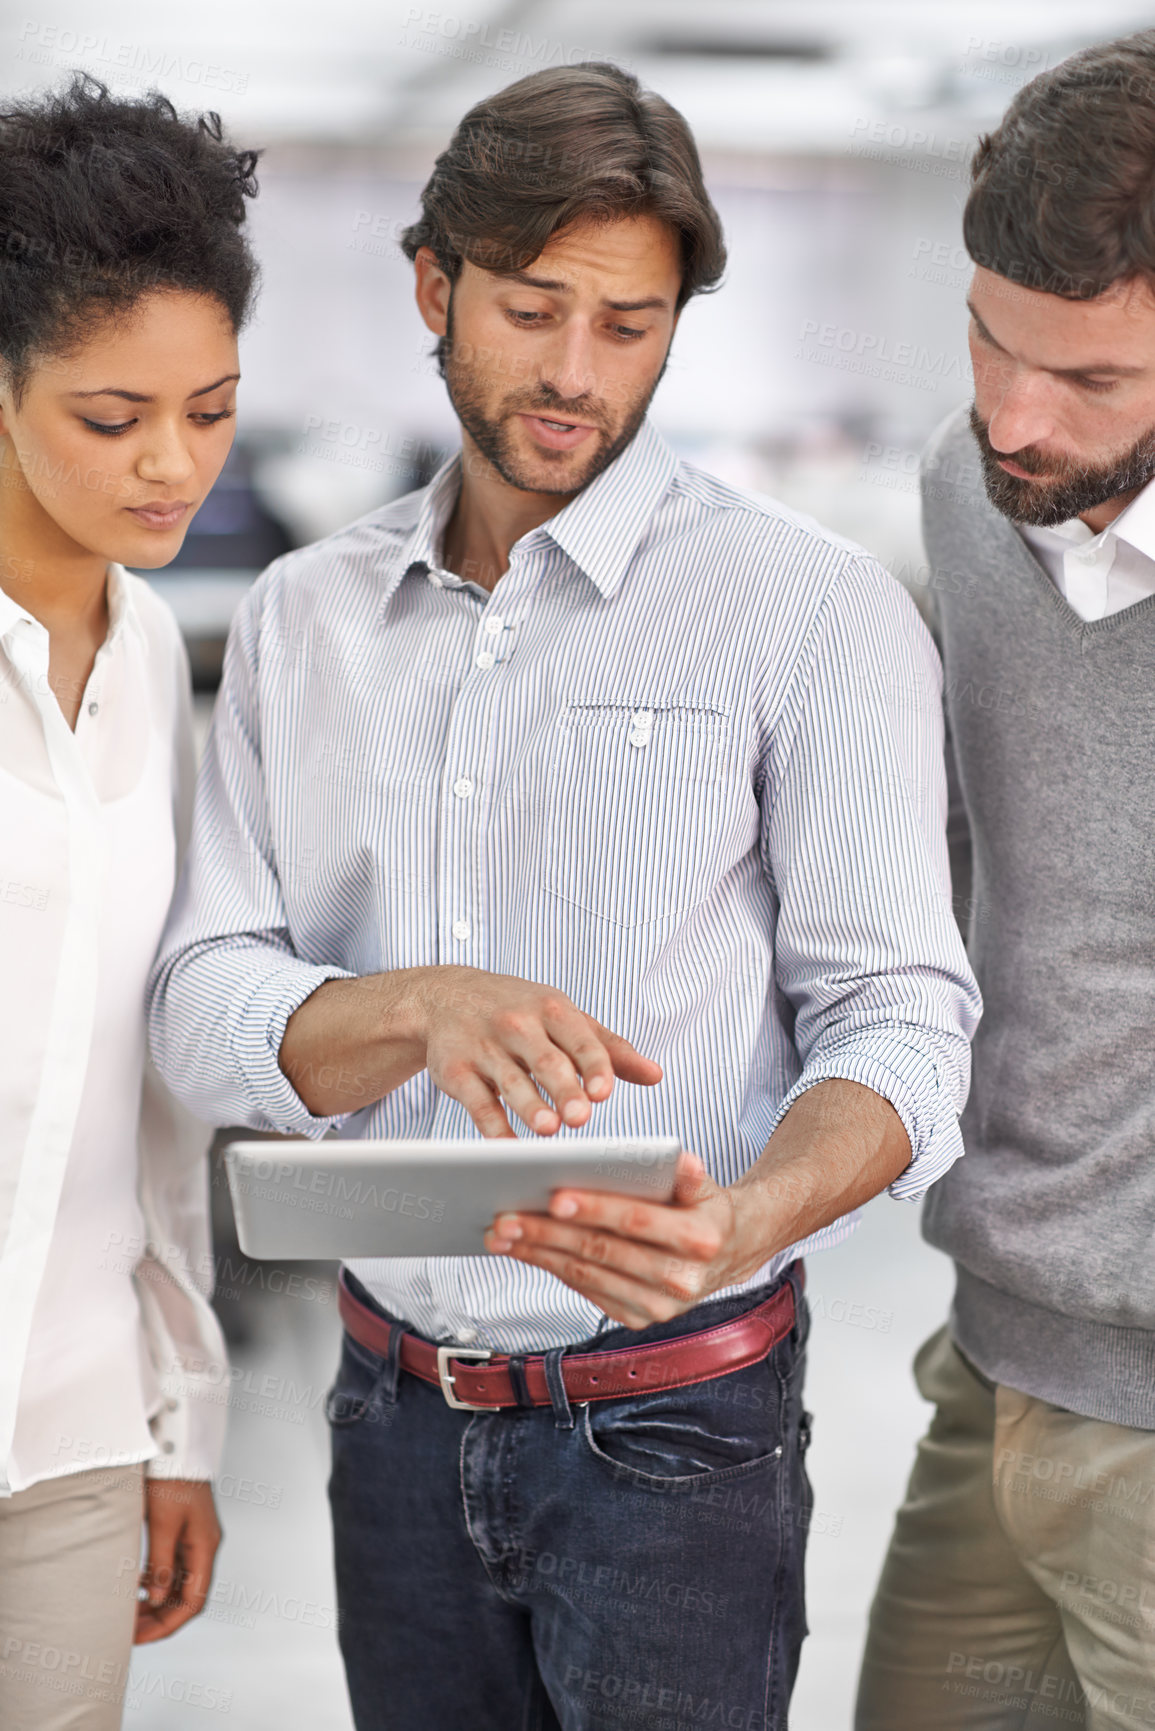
(836, 136)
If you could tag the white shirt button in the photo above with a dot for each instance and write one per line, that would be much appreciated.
(642, 719)
(485, 659)
(639, 736)
(494, 624)
(466, 1336)
(463, 787)
(461, 931)
(92, 708)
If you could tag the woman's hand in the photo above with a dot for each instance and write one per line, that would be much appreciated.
(183, 1535)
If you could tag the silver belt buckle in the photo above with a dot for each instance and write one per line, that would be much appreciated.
(481, 1354)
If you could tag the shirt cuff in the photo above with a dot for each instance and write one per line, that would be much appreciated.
(255, 1031)
(192, 1463)
(914, 1084)
(189, 1427)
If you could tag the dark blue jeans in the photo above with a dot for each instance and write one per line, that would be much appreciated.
(634, 1563)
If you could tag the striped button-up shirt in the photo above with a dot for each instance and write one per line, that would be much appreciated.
(684, 763)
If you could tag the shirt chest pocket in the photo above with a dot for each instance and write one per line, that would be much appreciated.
(637, 792)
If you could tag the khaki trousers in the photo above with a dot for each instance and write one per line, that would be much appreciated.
(69, 1563)
(1019, 1589)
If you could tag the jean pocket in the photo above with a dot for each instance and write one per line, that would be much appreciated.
(358, 1379)
(689, 1438)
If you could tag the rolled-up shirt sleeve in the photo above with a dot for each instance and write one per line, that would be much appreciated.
(867, 951)
(227, 977)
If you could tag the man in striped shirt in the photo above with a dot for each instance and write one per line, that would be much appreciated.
(578, 790)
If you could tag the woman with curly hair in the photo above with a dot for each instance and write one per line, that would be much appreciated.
(124, 279)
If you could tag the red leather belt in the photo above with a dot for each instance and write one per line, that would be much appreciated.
(481, 1381)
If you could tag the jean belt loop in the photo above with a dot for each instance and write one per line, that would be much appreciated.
(517, 1379)
(384, 1386)
(554, 1381)
(391, 1369)
(795, 1274)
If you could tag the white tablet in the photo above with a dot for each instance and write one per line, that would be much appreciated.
(334, 1199)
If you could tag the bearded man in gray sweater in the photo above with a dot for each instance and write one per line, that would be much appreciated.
(1019, 1589)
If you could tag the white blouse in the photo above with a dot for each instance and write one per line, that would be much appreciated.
(109, 1351)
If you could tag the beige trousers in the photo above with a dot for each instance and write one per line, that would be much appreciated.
(1019, 1589)
(69, 1564)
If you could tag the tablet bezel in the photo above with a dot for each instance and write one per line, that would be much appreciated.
(349, 1200)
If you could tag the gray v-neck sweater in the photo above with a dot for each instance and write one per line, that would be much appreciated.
(1050, 1215)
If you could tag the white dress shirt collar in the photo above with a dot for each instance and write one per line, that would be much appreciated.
(1136, 524)
(1101, 572)
(121, 609)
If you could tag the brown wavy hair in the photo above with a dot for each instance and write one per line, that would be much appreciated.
(1063, 191)
(566, 145)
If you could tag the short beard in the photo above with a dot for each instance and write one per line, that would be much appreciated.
(467, 395)
(1072, 487)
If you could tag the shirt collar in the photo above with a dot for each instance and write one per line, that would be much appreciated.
(598, 530)
(601, 528)
(425, 543)
(11, 614)
(422, 545)
(122, 612)
(1135, 525)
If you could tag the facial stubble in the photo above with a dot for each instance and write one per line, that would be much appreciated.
(494, 439)
(1071, 487)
